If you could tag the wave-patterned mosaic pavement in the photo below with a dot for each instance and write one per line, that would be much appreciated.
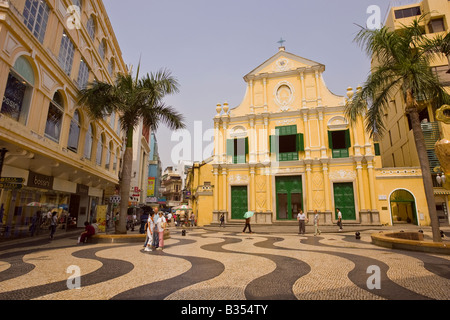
(205, 265)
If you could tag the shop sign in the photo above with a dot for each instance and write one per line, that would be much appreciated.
(13, 186)
(40, 181)
(82, 190)
(114, 199)
(11, 183)
(12, 180)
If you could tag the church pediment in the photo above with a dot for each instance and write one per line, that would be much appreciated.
(284, 62)
(283, 83)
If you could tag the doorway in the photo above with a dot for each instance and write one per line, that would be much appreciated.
(289, 197)
(344, 200)
(239, 202)
(403, 207)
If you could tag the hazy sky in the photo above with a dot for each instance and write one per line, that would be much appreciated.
(210, 45)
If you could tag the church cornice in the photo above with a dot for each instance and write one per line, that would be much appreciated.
(318, 68)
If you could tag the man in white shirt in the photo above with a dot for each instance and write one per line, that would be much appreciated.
(339, 219)
(150, 225)
(301, 217)
(169, 218)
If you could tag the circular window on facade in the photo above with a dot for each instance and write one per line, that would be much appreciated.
(284, 96)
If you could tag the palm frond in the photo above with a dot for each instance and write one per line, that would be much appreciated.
(99, 99)
(161, 113)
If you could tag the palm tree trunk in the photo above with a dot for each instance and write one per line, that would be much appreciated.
(424, 164)
(125, 184)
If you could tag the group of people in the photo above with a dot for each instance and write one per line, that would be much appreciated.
(302, 220)
(154, 228)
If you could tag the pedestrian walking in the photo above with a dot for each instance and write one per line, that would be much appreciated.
(222, 220)
(247, 224)
(302, 219)
(339, 219)
(192, 219)
(155, 229)
(316, 223)
(53, 224)
(169, 218)
(160, 226)
(34, 222)
(149, 228)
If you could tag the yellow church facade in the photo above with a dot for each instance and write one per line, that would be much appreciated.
(289, 147)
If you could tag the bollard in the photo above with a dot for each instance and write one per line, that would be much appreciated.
(183, 232)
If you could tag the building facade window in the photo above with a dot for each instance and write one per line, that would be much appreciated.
(287, 143)
(78, 3)
(339, 143)
(112, 120)
(102, 49)
(83, 75)
(74, 132)
(111, 67)
(88, 142)
(100, 144)
(408, 12)
(108, 155)
(377, 149)
(436, 25)
(35, 15)
(91, 27)
(119, 126)
(116, 157)
(18, 92)
(55, 118)
(238, 150)
(66, 52)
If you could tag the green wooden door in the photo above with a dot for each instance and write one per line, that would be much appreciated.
(239, 202)
(289, 197)
(344, 199)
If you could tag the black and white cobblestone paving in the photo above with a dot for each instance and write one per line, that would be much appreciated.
(207, 265)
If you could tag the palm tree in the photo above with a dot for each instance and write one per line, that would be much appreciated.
(133, 99)
(402, 64)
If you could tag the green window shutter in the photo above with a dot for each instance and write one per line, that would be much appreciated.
(246, 145)
(230, 147)
(300, 142)
(286, 130)
(348, 142)
(377, 149)
(330, 140)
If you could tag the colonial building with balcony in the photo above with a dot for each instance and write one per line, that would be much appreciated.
(171, 186)
(397, 147)
(49, 50)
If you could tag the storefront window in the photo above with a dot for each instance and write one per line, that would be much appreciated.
(18, 91)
